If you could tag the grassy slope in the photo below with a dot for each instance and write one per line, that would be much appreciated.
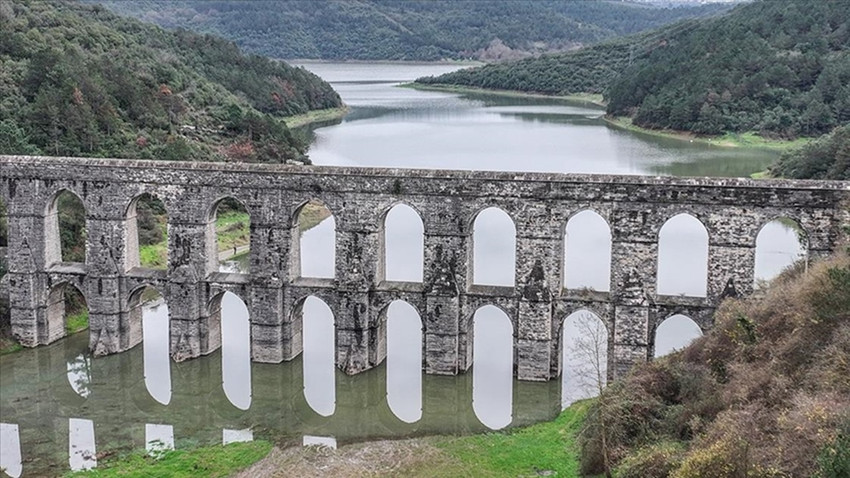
(765, 394)
(210, 461)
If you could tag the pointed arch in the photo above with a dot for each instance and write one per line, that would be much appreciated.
(313, 246)
(584, 356)
(780, 243)
(682, 257)
(404, 339)
(493, 248)
(65, 226)
(403, 244)
(228, 235)
(675, 333)
(235, 333)
(145, 233)
(67, 309)
(492, 370)
(587, 252)
(318, 327)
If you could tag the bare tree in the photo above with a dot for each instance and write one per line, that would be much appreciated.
(589, 354)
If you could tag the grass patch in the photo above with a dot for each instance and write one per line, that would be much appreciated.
(9, 345)
(541, 449)
(315, 116)
(76, 322)
(728, 140)
(154, 256)
(209, 461)
(592, 98)
(233, 229)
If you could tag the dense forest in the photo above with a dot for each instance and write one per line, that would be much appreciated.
(79, 80)
(407, 30)
(781, 69)
(828, 157)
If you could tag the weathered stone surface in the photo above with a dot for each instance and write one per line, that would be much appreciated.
(635, 207)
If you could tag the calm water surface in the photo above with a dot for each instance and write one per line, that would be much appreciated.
(60, 408)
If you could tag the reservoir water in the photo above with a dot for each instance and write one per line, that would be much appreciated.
(60, 408)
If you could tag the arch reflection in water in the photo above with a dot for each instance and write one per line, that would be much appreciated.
(494, 248)
(492, 369)
(79, 375)
(683, 257)
(318, 356)
(10, 450)
(235, 350)
(156, 343)
(675, 333)
(404, 361)
(779, 244)
(236, 436)
(587, 252)
(584, 357)
(404, 237)
(82, 454)
(158, 438)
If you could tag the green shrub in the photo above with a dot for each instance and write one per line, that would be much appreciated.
(834, 458)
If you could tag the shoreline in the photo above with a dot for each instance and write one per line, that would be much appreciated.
(316, 116)
(384, 62)
(728, 140)
(592, 99)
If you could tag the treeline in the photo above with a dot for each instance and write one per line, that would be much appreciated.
(78, 80)
(828, 157)
(781, 69)
(408, 30)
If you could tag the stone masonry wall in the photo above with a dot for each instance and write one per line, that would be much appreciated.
(732, 210)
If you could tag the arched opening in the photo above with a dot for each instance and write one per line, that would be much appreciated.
(492, 369)
(404, 361)
(587, 252)
(319, 355)
(404, 244)
(780, 243)
(675, 333)
(494, 248)
(67, 312)
(228, 237)
(314, 241)
(235, 349)
(683, 257)
(148, 323)
(584, 357)
(65, 229)
(146, 233)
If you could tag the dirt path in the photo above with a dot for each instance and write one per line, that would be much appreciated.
(228, 253)
(409, 458)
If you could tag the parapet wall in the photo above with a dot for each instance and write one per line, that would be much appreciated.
(732, 210)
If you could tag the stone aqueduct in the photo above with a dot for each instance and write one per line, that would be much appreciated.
(732, 210)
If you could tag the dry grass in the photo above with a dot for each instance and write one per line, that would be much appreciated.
(413, 457)
(766, 391)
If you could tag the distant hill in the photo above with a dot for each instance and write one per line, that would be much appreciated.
(407, 30)
(79, 80)
(779, 68)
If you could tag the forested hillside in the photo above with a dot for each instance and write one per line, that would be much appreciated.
(79, 80)
(780, 68)
(407, 30)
